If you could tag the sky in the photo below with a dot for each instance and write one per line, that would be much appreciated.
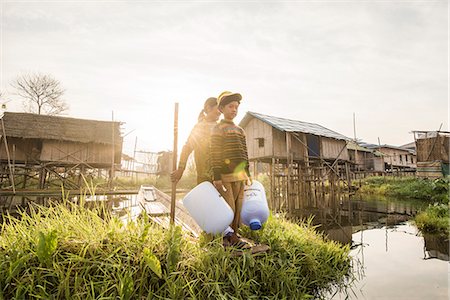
(313, 61)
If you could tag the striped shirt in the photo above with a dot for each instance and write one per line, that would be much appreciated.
(228, 150)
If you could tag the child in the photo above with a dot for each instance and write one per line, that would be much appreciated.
(229, 161)
(198, 142)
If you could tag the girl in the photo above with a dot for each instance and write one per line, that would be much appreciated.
(198, 141)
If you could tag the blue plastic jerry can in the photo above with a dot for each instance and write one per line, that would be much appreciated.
(255, 210)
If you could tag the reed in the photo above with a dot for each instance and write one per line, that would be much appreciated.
(434, 219)
(408, 187)
(65, 251)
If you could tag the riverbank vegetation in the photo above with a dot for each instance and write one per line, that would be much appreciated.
(434, 219)
(407, 187)
(67, 251)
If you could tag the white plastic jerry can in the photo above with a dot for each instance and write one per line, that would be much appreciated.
(255, 210)
(208, 208)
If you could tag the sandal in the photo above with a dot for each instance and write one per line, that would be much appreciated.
(240, 244)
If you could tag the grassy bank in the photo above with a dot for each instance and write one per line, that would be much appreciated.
(434, 219)
(407, 187)
(70, 252)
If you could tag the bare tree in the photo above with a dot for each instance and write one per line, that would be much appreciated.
(42, 94)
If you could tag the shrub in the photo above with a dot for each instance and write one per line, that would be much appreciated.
(435, 219)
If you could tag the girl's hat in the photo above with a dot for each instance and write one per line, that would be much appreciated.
(227, 97)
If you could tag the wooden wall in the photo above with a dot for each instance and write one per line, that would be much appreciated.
(298, 142)
(275, 143)
(367, 160)
(256, 129)
(394, 154)
(69, 152)
(430, 170)
(433, 149)
(378, 164)
(32, 151)
(330, 149)
(20, 150)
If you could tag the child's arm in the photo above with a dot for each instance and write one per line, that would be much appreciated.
(185, 152)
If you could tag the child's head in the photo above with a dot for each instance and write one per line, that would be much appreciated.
(210, 111)
(228, 103)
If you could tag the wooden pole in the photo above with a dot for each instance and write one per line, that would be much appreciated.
(174, 164)
(288, 163)
(134, 174)
(11, 175)
(272, 184)
(356, 143)
(112, 151)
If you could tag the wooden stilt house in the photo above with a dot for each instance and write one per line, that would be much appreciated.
(396, 159)
(299, 158)
(365, 160)
(55, 146)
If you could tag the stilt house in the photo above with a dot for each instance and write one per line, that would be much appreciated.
(396, 158)
(365, 159)
(57, 145)
(271, 137)
(297, 156)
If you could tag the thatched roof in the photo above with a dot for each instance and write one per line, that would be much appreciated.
(34, 126)
(288, 125)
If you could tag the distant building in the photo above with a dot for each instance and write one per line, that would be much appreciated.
(395, 158)
(410, 146)
(432, 153)
(365, 159)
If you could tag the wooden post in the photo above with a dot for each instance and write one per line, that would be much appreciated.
(174, 164)
(133, 173)
(42, 175)
(11, 174)
(111, 174)
(288, 163)
(272, 184)
(349, 179)
(356, 143)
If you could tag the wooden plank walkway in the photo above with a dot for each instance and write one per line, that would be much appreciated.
(161, 206)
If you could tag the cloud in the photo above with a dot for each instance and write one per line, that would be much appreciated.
(314, 62)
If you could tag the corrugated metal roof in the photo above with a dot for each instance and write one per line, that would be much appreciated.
(294, 126)
(353, 146)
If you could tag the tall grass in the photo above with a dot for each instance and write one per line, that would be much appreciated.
(408, 187)
(434, 219)
(67, 251)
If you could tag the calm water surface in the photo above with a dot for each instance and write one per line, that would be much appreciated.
(392, 260)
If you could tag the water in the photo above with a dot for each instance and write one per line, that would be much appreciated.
(392, 260)
(394, 264)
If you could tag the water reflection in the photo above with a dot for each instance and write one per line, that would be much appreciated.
(391, 262)
(436, 246)
(391, 257)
